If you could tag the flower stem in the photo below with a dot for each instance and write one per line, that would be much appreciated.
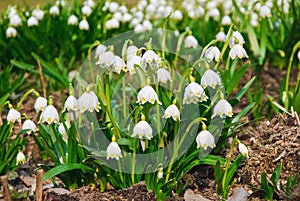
(24, 96)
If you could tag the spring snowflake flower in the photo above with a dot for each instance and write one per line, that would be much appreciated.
(147, 94)
(40, 104)
(49, 115)
(88, 101)
(214, 13)
(100, 49)
(143, 130)
(221, 36)
(106, 59)
(72, 20)
(126, 17)
(30, 126)
(38, 13)
(194, 93)
(237, 51)
(54, 10)
(150, 57)
(131, 51)
(205, 139)
(172, 111)
(213, 53)
(147, 25)
(84, 25)
(134, 22)
(135, 60)
(222, 108)
(15, 20)
(21, 158)
(226, 20)
(113, 151)
(190, 42)
(118, 64)
(61, 3)
(112, 24)
(210, 78)
(113, 7)
(138, 29)
(89, 3)
(11, 32)
(71, 104)
(163, 75)
(32, 21)
(298, 55)
(265, 11)
(177, 15)
(160, 173)
(86, 10)
(13, 116)
(236, 38)
(243, 150)
(62, 130)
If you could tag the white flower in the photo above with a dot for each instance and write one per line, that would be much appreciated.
(86, 10)
(72, 20)
(172, 111)
(40, 104)
(13, 116)
(194, 93)
(126, 17)
(54, 10)
(62, 130)
(160, 173)
(243, 149)
(21, 158)
(221, 36)
(138, 29)
(11, 32)
(131, 51)
(205, 139)
(143, 130)
(163, 75)
(113, 7)
(150, 56)
(118, 15)
(190, 42)
(15, 20)
(84, 25)
(177, 15)
(147, 25)
(123, 9)
(89, 3)
(71, 104)
(29, 125)
(88, 101)
(32, 21)
(100, 49)
(118, 64)
(265, 11)
(222, 108)
(147, 94)
(213, 53)
(112, 24)
(226, 20)
(236, 38)
(135, 60)
(38, 13)
(210, 78)
(135, 22)
(113, 151)
(237, 51)
(106, 59)
(49, 115)
(214, 13)
(61, 3)
(298, 55)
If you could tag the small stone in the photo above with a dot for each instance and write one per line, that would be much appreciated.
(59, 191)
(189, 195)
(238, 195)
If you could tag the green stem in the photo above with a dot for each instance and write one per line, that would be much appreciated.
(62, 153)
(133, 162)
(24, 96)
(158, 116)
(124, 96)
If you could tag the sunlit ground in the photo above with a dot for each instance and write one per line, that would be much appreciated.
(22, 3)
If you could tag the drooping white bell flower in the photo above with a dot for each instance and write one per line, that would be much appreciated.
(40, 104)
(237, 51)
(11, 32)
(54, 10)
(32, 21)
(172, 111)
(13, 116)
(177, 15)
(123, 9)
(221, 36)
(243, 150)
(214, 13)
(38, 13)
(113, 7)
(298, 55)
(210, 78)
(163, 75)
(126, 17)
(100, 49)
(150, 57)
(15, 20)
(265, 11)
(138, 29)
(222, 108)
(205, 139)
(20, 158)
(72, 20)
(147, 94)
(213, 53)
(49, 115)
(236, 38)
(62, 130)
(113, 151)
(131, 51)
(226, 20)
(30, 126)
(135, 22)
(118, 64)
(147, 25)
(112, 24)
(160, 173)
(118, 15)
(135, 60)
(194, 93)
(86, 10)
(88, 101)
(143, 130)
(71, 104)
(106, 59)
(190, 42)
(84, 25)
(89, 3)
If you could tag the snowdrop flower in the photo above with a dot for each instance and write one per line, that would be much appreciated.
(118, 64)
(49, 115)
(12, 11)
(11, 32)
(212, 53)
(106, 59)
(221, 36)
(163, 75)
(61, 3)
(147, 25)
(214, 13)
(190, 42)
(210, 78)
(205, 139)
(100, 49)
(243, 150)
(265, 11)
(113, 150)
(54, 10)
(131, 51)
(138, 29)
(84, 25)
(150, 57)
(172, 111)
(254, 19)
(222, 108)
(194, 93)
(135, 60)
(134, 22)
(29, 125)
(177, 15)
(32, 21)
(72, 20)
(236, 38)
(38, 14)
(142, 129)
(237, 51)
(21, 158)
(112, 24)
(62, 130)
(113, 7)
(15, 20)
(123, 9)
(86, 10)
(139, 15)
(89, 3)
(40, 104)
(13, 116)
(71, 104)
(88, 101)
(126, 17)
(226, 20)
(147, 94)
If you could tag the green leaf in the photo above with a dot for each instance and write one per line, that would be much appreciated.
(233, 168)
(276, 175)
(241, 93)
(126, 142)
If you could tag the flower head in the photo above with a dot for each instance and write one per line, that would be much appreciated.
(265, 11)
(13, 116)
(236, 38)
(88, 101)
(118, 64)
(243, 149)
(226, 20)
(212, 53)
(62, 130)
(205, 139)
(147, 94)
(100, 49)
(172, 111)
(84, 25)
(29, 125)
(32, 21)
(38, 13)
(237, 51)
(163, 75)
(49, 115)
(190, 42)
(21, 158)
(298, 55)
(15, 20)
(112, 24)
(222, 108)
(150, 57)
(40, 104)
(131, 52)
(86, 10)
(72, 20)
(143, 130)
(210, 78)
(135, 60)
(113, 151)
(54, 10)
(221, 36)
(194, 93)
(106, 59)
(71, 104)
(11, 32)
